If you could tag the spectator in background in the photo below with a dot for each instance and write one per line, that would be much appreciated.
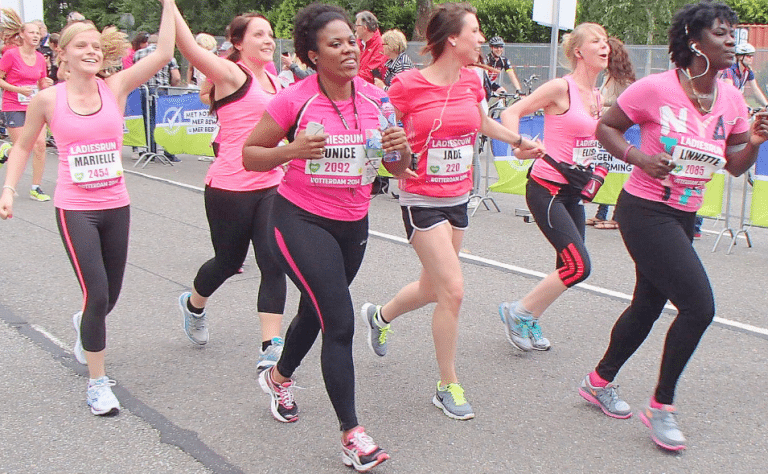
(140, 41)
(169, 75)
(394, 48)
(372, 57)
(195, 77)
(497, 60)
(618, 76)
(741, 74)
(53, 71)
(74, 16)
(290, 63)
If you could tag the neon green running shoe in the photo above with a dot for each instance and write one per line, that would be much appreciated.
(451, 400)
(37, 194)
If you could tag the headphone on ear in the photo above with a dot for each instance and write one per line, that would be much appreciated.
(696, 50)
(453, 43)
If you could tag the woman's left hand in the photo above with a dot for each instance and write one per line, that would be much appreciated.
(759, 129)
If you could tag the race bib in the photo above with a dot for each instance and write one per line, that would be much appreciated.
(585, 151)
(95, 165)
(450, 159)
(344, 163)
(26, 100)
(695, 165)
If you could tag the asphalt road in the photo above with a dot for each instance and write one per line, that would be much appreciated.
(190, 409)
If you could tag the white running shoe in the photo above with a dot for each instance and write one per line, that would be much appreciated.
(100, 397)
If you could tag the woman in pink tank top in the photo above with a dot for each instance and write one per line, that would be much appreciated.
(92, 208)
(572, 108)
(22, 74)
(237, 201)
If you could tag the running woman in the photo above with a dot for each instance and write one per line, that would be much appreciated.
(440, 107)
(85, 115)
(237, 202)
(319, 221)
(692, 125)
(571, 109)
(23, 73)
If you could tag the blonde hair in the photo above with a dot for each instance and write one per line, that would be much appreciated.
(114, 43)
(12, 25)
(206, 41)
(395, 39)
(577, 37)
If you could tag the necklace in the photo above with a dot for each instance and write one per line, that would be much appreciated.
(699, 97)
(336, 107)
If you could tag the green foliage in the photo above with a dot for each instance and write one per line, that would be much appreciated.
(510, 19)
(750, 11)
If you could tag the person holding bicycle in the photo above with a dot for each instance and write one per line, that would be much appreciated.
(498, 61)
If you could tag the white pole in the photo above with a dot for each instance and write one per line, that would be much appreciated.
(554, 39)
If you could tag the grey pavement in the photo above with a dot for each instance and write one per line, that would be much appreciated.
(193, 409)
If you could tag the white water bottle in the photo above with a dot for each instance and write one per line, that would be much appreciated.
(389, 113)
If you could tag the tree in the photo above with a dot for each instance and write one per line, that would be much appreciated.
(631, 21)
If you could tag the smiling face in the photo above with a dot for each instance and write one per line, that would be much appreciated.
(258, 43)
(338, 55)
(30, 34)
(717, 43)
(468, 41)
(83, 52)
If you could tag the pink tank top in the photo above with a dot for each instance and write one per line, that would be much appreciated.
(238, 115)
(90, 166)
(568, 136)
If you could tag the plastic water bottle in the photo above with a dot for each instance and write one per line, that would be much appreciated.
(595, 182)
(389, 113)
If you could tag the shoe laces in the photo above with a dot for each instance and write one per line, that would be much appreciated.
(361, 442)
(609, 394)
(457, 392)
(535, 329)
(101, 385)
(197, 322)
(285, 392)
(384, 333)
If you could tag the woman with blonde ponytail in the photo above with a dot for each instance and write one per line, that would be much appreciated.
(23, 73)
(85, 115)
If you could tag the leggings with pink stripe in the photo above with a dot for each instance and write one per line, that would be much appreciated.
(97, 245)
(561, 219)
(321, 256)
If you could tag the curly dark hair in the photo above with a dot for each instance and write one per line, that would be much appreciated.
(688, 23)
(619, 66)
(310, 20)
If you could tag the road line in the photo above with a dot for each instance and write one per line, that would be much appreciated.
(50, 336)
(511, 268)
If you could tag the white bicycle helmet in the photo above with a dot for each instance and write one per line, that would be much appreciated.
(744, 48)
(496, 41)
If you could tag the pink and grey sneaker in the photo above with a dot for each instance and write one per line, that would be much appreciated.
(360, 452)
(663, 424)
(283, 406)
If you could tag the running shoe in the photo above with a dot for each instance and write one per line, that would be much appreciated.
(283, 406)
(360, 452)
(37, 194)
(269, 357)
(377, 335)
(451, 400)
(663, 425)
(607, 398)
(538, 342)
(5, 148)
(100, 397)
(516, 327)
(195, 326)
(77, 318)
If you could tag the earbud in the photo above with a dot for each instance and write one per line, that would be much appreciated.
(453, 43)
(695, 49)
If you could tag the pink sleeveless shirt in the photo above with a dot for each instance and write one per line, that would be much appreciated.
(238, 116)
(567, 135)
(90, 167)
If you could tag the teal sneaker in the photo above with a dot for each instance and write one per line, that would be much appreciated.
(517, 327)
(451, 400)
(538, 341)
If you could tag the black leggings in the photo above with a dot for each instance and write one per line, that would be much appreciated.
(97, 245)
(237, 218)
(322, 257)
(658, 239)
(561, 219)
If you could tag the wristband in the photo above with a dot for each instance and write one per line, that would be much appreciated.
(626, 153)
(13, 190)
(518, 142)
